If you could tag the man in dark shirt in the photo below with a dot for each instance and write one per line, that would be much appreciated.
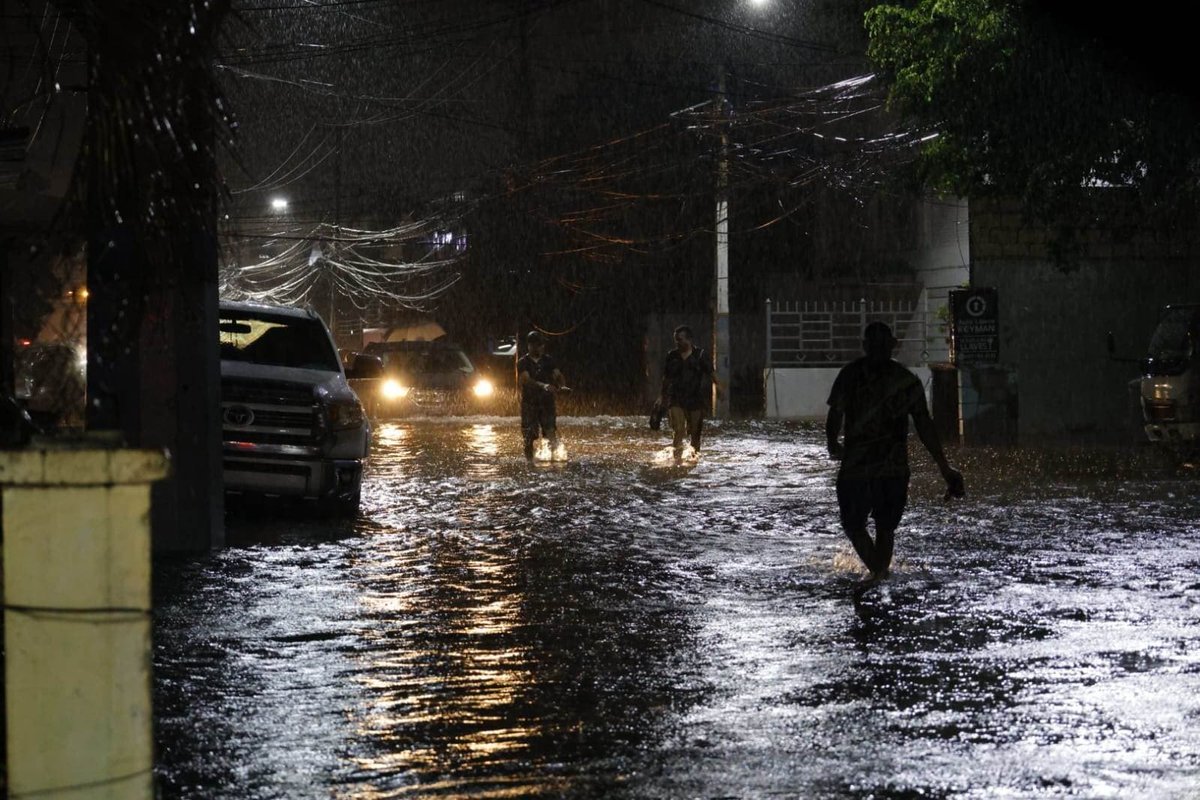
(539, 380)
(874, 397)
(686, 389)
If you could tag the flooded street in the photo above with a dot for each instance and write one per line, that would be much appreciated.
(619, 627)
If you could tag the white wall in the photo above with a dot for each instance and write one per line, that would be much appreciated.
(802, 393)
(941, 260)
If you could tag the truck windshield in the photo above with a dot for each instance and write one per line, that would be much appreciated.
(277, 342)
(1172, 339)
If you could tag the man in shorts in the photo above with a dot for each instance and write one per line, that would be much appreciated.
(871, 400)
(539, 380)
(686, 390)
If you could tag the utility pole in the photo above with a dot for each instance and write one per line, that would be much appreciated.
(720, 346)
(337, 233)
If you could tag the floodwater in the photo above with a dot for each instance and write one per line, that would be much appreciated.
(615, 626)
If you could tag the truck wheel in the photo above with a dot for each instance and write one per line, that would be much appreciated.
(343, 506)
(1175, 459)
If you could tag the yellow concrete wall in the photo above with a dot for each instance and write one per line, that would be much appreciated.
(77, 621)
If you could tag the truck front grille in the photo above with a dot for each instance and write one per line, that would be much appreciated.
(240, 390)
(1160, 411)
(267, 468)
(268, 412)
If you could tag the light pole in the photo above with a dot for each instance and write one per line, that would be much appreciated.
(720, 343)
(721, 272)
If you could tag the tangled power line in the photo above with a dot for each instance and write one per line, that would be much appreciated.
(777, 146)
(827, 136)
(360, 266)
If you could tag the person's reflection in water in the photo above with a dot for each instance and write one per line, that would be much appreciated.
(872, 398)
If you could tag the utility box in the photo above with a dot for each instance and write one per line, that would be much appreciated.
(943, 396)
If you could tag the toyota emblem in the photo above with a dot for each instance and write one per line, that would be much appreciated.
(238, 415)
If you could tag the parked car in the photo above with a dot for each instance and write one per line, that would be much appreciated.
(1169, 386)
(425, 378)
(291, 424)
(1171, 380)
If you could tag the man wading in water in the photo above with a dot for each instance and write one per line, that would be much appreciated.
(686, 390)
(539, 380)
(874, 397)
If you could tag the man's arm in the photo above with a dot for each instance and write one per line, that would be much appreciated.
(525, 378)
(712, 375)
(665, 388)
(833, 427)
(928, 435)
(836, 416)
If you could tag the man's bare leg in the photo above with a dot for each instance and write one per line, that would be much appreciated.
(885, 539)
(865, 548)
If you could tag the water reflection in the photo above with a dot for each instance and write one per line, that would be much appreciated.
(619, 626)
(483, 445)
(390, 436)
(440, 671)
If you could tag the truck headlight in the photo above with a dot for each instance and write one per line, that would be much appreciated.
(483, 388)
(393, 390)
(345, 414)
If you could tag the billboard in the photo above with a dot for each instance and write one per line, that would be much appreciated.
(976, 325)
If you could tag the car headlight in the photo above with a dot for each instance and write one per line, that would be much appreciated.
(345, 414)
(393, 390)
(483, 388)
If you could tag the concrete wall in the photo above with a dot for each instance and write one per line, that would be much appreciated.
(940, 255)
(803, 393)
(1053, 323)
(941, 260)
(77, 618)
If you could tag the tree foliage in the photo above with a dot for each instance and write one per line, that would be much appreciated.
(1030, 104)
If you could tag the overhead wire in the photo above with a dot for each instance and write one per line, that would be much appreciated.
(602, 185)
(756, 33)
(744, 156)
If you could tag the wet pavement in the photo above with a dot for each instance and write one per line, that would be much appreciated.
(619, 627)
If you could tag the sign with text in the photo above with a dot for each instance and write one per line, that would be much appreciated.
(976, 326)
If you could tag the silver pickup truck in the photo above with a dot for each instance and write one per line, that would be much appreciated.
(291, 425)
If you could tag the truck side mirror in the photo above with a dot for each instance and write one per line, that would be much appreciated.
(364, 367)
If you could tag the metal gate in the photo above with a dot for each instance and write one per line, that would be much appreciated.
(828, 333)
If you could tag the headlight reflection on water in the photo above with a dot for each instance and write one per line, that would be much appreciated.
(483, 440)
(449, 705)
